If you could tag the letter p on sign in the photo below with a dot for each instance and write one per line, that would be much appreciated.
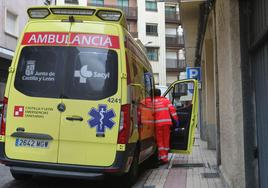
(193, 73)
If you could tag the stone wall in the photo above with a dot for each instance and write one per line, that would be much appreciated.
(230, 92)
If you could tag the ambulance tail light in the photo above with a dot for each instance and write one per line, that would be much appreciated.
(70, 11)
(124, 124)
(3, 117)
(109, 15)
(38, 12)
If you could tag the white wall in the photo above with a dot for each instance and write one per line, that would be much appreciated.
(171, 30)
(156, 41)
(18, 8)
(171, 55)
(171, 77)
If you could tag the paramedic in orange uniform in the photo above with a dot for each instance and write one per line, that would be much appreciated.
(164, 110)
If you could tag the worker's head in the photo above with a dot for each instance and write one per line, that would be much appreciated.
(157, 92)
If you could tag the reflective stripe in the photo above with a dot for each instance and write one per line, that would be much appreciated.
(163, 148)
(147, 121)
(169, 105)
(161, 109)
(163, 157)
(174, 114)
(163, 120)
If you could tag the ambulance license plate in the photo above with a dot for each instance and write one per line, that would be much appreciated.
(32, 143)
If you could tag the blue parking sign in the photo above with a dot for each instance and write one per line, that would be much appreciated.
(193, 73)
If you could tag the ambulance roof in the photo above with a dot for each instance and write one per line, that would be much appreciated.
(77, 13)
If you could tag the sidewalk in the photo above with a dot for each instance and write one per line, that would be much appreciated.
(198, 170)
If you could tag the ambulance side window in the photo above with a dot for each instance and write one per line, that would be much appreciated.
(148, 83)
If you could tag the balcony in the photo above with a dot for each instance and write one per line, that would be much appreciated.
(174, 41)
(175, 65)
(134, 34)
(130, 12)
(172, 17)
(171, 1)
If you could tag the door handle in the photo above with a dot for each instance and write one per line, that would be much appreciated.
(74, 118)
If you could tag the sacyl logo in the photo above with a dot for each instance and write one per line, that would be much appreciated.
(83, 74)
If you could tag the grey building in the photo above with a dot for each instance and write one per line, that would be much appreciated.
(230, 40)
(13, 17)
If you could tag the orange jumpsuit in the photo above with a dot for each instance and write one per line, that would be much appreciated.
(163, 110)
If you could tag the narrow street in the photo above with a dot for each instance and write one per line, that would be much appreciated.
(198, 170)
(43, 182)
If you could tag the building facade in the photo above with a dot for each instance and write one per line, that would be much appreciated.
(230, 43)
(175, 59)
(151, 31)
(12, 20)
(156, 24)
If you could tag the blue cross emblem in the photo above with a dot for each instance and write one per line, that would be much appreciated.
(101, 119)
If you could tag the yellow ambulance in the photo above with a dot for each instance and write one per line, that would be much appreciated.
(78, 100)
(75, 98)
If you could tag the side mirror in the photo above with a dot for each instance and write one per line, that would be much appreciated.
(139, 86)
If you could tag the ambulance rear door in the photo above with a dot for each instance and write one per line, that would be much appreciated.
(33, 119)
(91, 95)
(184, 96)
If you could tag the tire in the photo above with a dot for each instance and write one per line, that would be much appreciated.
(132, 176)
(20, 176)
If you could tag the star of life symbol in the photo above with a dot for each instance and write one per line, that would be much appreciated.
(83, 74)
(101, 118)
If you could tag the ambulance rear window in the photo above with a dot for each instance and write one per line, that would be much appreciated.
(67, 72)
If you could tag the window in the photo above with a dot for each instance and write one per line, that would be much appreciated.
(11, 25)
(98, 2)
(171, 13)
(152, 53)
(151, 29)
(151, 5)
(72, 1)
(170, 10)
(67, 72)
(122, 3)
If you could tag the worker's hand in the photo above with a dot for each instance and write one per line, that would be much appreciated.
(177, 125)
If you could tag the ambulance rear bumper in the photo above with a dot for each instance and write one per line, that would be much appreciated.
(68, 170)
(57, 173)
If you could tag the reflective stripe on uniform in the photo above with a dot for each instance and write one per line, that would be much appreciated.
(148, 121)
(163, 121)
(174, 114)
(169, 105)
(161, 109)
(163, 157)
(163, 148)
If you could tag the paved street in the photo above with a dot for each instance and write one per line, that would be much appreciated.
(6, 181)
(197, 170)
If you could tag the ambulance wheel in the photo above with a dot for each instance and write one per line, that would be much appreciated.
(132, 175)
(20, 176)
